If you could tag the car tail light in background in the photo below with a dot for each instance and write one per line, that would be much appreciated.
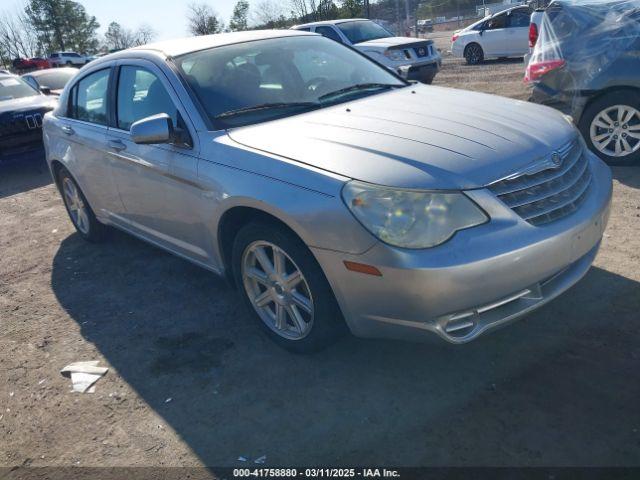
(454, 38)
(535, 70)
(533, 34)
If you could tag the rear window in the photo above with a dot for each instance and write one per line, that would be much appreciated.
(88, 100)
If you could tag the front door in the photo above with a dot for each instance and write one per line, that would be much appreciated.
(156, 181)
(494, 37)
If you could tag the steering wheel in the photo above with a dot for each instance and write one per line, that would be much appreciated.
(316, 83)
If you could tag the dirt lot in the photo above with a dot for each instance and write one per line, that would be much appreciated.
(193, 382)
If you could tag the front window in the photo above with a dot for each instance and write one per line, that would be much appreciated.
(257, 81)
(141, 95)
(363, 31)
(14, 87)
(497, 22)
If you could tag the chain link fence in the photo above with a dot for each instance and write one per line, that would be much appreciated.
(418, 19)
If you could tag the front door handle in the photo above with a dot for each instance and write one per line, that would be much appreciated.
(116, 145)
(68, 130)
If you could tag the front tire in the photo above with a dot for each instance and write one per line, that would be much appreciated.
(80, 213)
(611, 127)
(284, 287)
(473, 54)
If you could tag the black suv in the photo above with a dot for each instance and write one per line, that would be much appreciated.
(586, 63)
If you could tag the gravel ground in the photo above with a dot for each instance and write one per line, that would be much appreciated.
(192, 382)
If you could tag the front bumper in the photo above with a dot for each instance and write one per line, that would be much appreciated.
(422, 72)
(482, 278)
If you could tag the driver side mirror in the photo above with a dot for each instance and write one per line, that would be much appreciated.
(153, 130)
(45, 90)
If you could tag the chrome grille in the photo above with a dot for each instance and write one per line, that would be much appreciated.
(550, 194)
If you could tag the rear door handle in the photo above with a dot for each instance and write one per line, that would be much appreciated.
(68, 130)
(116, 145)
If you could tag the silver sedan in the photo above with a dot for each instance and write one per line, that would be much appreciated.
(333, 194)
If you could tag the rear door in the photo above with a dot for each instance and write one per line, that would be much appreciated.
(518, 31)
(82, 136)
(156, 182)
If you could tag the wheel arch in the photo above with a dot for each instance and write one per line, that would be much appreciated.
(599, 94)
(235, 218)
(56, 166)
(473, 42)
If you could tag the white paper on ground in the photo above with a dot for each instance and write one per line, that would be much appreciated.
(84, 375)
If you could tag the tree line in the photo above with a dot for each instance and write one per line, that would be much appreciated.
(45, 26)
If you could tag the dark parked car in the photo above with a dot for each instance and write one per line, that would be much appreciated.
(586, 63)
(21, 111)
(50, 81)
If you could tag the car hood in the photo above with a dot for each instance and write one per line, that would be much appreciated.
(17, 105)
(434, 138)
(393, 42)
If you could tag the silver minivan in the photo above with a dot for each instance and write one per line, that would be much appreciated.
(333, 194)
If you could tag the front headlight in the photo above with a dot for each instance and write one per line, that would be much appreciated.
(411, 218)
(395, 55)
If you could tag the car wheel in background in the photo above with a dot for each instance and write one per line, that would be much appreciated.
(282, 283)
(611, 127)
(80, 213)
(473, 54)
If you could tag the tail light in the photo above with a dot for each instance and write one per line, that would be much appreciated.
(535, 70)
(533, 34)
(454, 38)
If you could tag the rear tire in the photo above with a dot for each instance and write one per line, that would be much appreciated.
(285, 289)
(79, 210)
(473, 54)
(619, 138)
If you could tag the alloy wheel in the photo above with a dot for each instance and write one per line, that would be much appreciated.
(75, 204)
(278, 290)
(474, 54)
(615, 131)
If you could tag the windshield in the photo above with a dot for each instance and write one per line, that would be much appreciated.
(55, 80)
(363, 31)
(257, 81)
(13, 87)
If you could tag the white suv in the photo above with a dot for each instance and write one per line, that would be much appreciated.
(67, 59)
(412, 58)
(505, 34)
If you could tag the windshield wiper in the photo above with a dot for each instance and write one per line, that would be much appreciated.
(266, 106)
(357, 88)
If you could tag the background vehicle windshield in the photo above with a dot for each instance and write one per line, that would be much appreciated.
(363, 30)
(55, 80)
(12, 87)
(291, 71)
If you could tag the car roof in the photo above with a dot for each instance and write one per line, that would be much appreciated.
(39, 73)
(181, 46)
(332, 22)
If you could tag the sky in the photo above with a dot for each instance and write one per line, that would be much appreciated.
(166, 17)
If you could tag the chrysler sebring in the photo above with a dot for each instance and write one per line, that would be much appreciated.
(332, 193)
